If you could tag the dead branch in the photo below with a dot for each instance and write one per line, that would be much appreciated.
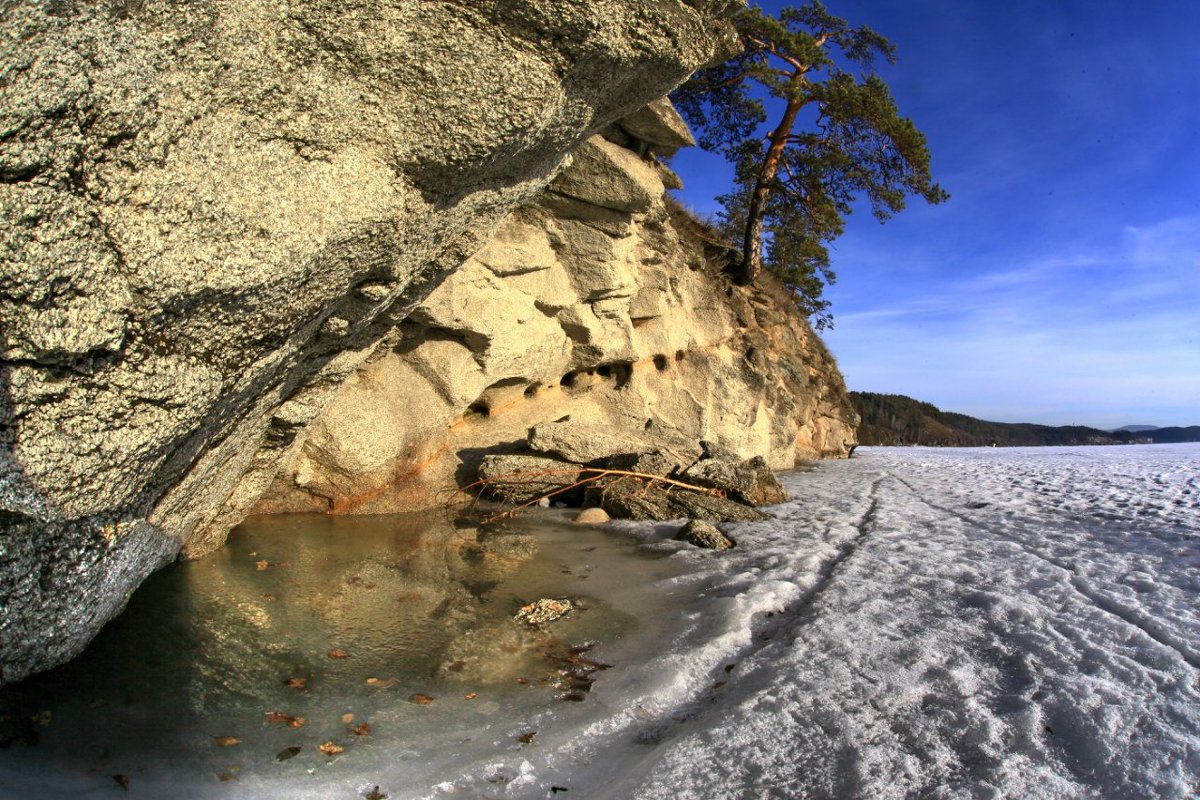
(590, 476)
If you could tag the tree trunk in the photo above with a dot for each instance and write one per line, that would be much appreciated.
(752, 245)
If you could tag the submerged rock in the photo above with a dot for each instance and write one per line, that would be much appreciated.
(541, 612)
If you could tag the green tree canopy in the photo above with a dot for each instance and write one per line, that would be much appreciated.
(838, 137)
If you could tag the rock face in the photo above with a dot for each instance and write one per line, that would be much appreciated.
(216, 212)
(591, 329)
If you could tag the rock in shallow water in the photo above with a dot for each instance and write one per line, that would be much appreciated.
(592, 516)
(704, 534)
(543, 611)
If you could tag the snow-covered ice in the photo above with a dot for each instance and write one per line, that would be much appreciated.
(981, 623)
(986, 623)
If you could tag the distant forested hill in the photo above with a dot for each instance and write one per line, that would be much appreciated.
(1174, 435)
(894, 419)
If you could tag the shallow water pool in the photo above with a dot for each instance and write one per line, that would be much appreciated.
(311, 651)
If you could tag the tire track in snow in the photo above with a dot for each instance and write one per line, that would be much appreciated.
(1094, 598)
(864, 525)
(765, 632)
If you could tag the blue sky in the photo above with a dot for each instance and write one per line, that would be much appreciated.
(1061, 282)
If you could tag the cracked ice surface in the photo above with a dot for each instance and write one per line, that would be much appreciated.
(1016, 623)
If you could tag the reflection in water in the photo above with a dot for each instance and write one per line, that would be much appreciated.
(302, 629)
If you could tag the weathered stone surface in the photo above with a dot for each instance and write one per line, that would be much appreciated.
(592, 516)
(591, 443)
(703, 534)
(522, 478)
(657, 463)
(609, 176)
(215, 213)
(750, 481)
(629, 348)
(631, 498)
(660, 126)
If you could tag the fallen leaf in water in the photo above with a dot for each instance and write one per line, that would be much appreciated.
(527, 737)
(226, 741)
(296, 722)
(522, 681)
(375, 794)
(362, 729)
(471, 695)
(225, 777)
(457, 666)
(338, 653)
(421, 699)
(287, 752)
(122, 781)
(261, 565)
(574, 697)
(331, 748)
(347, 719)
(275, 717)
(557, 789)
(297, 683)
(382, 683)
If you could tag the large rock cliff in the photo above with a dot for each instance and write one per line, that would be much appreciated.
(214, 212)
(594, 304)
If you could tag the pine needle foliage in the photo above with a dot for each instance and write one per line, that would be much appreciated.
(837, 136)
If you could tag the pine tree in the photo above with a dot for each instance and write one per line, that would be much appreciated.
(838, 137)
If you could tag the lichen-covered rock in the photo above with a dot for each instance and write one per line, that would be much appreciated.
(633, 498)
(214, 213)
(750, 481)
(703, 534)
(655, 463)
(591, 443)
(521, 478)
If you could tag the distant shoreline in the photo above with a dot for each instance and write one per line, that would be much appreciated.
(896, 420)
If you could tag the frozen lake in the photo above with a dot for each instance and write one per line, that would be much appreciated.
(979, 623)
